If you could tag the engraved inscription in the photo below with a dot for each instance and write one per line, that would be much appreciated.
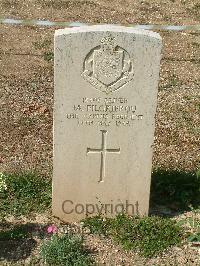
(108, 66)
(104, 111)
(103, 151)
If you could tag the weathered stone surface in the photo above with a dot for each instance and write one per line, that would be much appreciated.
(106, 80)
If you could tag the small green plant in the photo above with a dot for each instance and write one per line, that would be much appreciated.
(195, 237)
(193, 225)
(174, 81)
(24, 193)
(65, 250)
(98, 225)
(48, 56)
(148, 235)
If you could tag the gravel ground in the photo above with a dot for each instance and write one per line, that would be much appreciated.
(27, 87)
(26, 95)
(104, 250)
(104, 11)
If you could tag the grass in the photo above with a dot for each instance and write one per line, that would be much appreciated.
(65, 250)
(148, 235)
(23, 193)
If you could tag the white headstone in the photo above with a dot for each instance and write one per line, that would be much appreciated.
(106, 80)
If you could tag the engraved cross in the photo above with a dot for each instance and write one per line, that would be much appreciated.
(103, 151)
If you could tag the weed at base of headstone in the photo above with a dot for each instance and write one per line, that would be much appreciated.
(149, 236)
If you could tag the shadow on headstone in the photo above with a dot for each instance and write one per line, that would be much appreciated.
(174, 192)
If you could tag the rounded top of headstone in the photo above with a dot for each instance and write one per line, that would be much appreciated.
(107, 28)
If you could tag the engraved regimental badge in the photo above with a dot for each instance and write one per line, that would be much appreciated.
(108, 67)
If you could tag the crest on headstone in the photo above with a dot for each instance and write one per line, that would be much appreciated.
(108, 67)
